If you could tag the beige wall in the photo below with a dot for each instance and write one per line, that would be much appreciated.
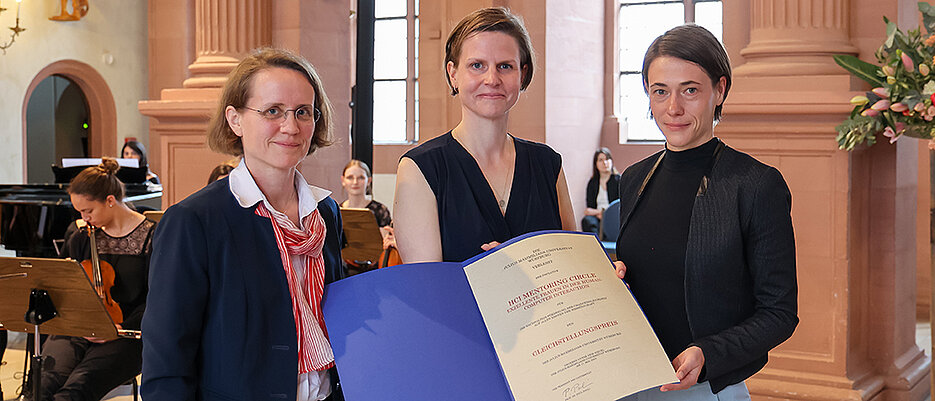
(113, 27)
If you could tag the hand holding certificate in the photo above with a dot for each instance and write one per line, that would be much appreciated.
(542, 317)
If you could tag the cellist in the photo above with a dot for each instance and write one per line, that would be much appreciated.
(79, 368)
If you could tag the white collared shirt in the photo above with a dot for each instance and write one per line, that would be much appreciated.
(315, 385)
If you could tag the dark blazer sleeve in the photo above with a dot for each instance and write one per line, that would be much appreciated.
(591, 194)
(178, 293)
(613, 188)
(769, 249)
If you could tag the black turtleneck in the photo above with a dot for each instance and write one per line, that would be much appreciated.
(653, 243)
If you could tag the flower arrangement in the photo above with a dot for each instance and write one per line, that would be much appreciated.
(902, 101)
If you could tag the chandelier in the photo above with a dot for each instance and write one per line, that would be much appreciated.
(16, 29)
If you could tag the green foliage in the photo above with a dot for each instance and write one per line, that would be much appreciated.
(901, 102)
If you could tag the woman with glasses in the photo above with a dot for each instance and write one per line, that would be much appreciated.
(238, 268)
(478, 185)
(706, 235)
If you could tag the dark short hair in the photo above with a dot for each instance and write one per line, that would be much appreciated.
(696, 44)
(491, 19)
(221, 170)
(221, 137)
(601, 151)
(98, 182)
(139, 149)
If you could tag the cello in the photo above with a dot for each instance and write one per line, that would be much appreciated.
(101, 275)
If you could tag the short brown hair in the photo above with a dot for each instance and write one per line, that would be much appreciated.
(698, 45)
(491, 19)
(98, 182)
(221, 137)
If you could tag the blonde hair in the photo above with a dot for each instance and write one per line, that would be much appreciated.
(221, 137)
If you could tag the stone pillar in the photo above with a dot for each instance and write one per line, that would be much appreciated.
(225, 31)
(856, 336)
(798, 35)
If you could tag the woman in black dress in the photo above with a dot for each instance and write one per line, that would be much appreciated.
(88, 368)
(477, 185)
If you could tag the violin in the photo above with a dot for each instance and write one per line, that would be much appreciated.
(101, 275)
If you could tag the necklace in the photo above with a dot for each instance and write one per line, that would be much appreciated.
(504, 193)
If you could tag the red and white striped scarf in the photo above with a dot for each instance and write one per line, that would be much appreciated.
(314, 349)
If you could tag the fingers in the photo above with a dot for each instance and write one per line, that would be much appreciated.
(620, 268)
(490, 245)
(687, 369)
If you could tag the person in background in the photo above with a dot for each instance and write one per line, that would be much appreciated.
(86, 368)
(602, 190)
(358, 183)
(239, 267)
(476, 186)
(223, 170)
(706, 235)
(136, 150)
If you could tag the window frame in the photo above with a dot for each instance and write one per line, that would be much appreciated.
(412, 79)
(688, 7)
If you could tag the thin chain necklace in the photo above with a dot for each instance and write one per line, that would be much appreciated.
(505, 192)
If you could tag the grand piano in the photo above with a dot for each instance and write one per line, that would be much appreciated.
(33, 215)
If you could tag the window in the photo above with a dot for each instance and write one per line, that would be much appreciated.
(395, 72)
(639, 22)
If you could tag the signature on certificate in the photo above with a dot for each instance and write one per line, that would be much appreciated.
(575, 389)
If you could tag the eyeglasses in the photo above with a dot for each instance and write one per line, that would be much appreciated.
(304, 114)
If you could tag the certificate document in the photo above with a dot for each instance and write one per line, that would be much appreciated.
(562, 324)
(541, 317)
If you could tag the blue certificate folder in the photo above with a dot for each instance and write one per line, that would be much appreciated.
(413, 332)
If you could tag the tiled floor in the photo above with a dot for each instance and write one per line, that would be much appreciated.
(11, 370)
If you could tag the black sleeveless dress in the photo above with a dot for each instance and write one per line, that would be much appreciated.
(468, 213)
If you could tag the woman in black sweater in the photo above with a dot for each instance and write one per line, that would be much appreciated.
(706, 232)
(601, 192)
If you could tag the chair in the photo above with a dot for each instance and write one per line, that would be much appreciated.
(610, 228)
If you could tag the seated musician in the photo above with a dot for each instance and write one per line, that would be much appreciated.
(86, 368)
(358, 183)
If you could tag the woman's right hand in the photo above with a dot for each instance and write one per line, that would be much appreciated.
(620, 268)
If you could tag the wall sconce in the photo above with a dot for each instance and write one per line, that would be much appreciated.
(16, 29)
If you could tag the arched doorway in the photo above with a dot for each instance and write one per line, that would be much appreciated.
(101, 111)
(56, 126)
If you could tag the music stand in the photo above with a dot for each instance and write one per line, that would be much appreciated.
(364, 241)
(154, 215)
(50, 296)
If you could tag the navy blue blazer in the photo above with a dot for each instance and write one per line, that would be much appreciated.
(740, 281)
(220, 323)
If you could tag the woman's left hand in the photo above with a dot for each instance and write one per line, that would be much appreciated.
(687, 369)
(490, 245)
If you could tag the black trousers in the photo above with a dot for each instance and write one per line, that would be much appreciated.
(76, 369)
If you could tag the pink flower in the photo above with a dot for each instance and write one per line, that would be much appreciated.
(920, 107)
(881, 105)
(889, 133)
(881, 92)
(900, 127)
(907, 62)
(870, 113)
(932, 142)
(899, 107)
(890, 71)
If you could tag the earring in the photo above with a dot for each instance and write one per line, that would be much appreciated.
(110, 205)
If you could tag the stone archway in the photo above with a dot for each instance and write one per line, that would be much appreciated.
(102, 118)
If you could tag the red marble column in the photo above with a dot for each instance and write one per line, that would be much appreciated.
(225, 31)
(856, 249)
